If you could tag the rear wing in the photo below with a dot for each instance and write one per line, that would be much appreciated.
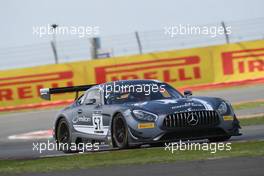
(46, 93)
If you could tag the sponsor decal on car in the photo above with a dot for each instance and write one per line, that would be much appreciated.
(146, 125)
(81, 119)
(96, 127)
(227, 118)
(191, 104)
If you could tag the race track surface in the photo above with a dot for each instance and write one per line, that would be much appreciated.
(236, 94)
(24, 149)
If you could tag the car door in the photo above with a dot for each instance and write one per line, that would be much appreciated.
(92, 109)
(82, 122)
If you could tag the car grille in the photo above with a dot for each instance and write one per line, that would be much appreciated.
(204, 118)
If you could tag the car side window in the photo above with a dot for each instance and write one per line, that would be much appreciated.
(80, 99)
(166, 94)
(93, 94)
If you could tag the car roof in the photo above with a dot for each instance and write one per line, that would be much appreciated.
(127, 82)
(134, 81)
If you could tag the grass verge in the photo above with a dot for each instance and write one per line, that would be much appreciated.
(126, 157)
(252, 121)
(248, 105)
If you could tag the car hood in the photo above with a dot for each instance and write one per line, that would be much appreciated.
(166, 106)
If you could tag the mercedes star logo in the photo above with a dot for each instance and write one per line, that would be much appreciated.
(192, 119)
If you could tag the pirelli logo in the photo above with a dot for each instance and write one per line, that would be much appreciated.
(167, 69)
(27, 86)
(243, 61)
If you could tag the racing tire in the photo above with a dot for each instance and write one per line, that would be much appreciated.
(219, 139)
(63, 137)
(120, 132)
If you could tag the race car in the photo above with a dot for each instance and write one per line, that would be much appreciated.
(131, 113)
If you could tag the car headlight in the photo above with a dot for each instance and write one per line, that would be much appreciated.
(144, 115)
(222, 108)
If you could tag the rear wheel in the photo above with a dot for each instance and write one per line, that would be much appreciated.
(120, 132)
(63, 137)
(219, 139)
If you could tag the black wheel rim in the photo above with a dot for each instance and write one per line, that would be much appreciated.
(120, 130)
(63, 135)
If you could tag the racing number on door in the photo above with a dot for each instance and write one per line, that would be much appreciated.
(97, 122)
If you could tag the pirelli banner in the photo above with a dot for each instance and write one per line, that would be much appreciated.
(199, 67)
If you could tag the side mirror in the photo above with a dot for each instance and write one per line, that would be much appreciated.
(90, 101)
(187, 93)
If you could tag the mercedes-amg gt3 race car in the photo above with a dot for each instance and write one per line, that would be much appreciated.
(144, 112)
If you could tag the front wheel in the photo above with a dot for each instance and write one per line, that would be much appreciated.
(120, 132)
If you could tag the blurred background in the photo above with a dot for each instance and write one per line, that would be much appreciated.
(123, 27)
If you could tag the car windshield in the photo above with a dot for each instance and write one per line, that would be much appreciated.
(139, 93)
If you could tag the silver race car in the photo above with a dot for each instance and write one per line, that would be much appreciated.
(134, 112)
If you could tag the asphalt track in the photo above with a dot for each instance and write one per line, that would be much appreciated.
(16, 123)
(236, 94)
(25, 149)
